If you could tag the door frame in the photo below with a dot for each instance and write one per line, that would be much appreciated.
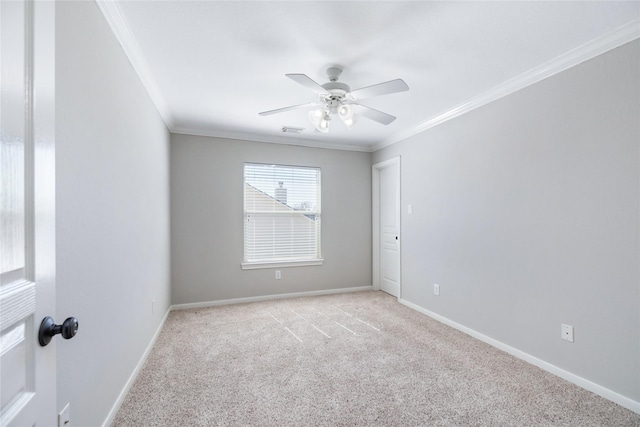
(375, 216)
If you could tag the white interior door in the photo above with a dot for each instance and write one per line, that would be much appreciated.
(389, 227)
(27, 256)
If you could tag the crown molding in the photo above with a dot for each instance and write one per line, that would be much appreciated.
(293, 140)
(611, 40)
(112, 13)
(120, 28)
(580, 54)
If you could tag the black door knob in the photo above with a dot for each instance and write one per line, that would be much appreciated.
(48, 329)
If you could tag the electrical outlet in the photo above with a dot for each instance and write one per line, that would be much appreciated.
(409, 209)
(153, 306)
(278, 275)
(436, 289)
(567, 332)
(64, 419)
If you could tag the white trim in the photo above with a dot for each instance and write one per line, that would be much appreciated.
(269, 297)
(573, 378)
(375, 221)
(606, 42)
(280, 264)
(286, 140)
(387, 163)
(120, 28)
(132, 378)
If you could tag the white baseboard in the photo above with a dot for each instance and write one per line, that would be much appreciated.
(573, 378)
(116, 406)
(269, 297)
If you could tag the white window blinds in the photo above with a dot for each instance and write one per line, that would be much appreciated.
(281, 214)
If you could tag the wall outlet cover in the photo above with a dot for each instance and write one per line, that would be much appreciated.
(436, 289)
(567, 332)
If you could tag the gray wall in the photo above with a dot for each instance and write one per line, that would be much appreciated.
(207, 220)
(526, 213)
(112, 181)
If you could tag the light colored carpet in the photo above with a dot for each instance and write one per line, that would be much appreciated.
(358, 359)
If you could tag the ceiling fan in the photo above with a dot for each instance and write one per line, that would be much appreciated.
(337, 98)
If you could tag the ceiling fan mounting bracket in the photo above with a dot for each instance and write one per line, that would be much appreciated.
(334, 73)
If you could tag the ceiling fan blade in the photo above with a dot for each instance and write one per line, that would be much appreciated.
(293, 107)
(392, 86)
(375, 115)
(307, 82)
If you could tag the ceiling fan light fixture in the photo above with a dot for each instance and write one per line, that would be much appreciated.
(345, 112)
(320, 119)
(324, 123)
(316, 115)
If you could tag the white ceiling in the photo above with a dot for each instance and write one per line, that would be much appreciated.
(212, 66)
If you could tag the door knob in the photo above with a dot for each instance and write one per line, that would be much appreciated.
(48, 329)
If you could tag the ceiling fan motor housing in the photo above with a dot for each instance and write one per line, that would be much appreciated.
(337, 91)
(337, 88)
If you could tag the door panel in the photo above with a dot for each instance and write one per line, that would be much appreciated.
(390, 229)
(27, 230)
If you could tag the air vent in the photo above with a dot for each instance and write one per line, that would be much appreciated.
(289, 129)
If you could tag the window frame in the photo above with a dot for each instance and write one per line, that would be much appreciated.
(281, 263)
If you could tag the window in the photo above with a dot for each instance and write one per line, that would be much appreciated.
(281, 216)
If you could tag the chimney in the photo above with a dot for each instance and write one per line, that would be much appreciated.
(281, 193)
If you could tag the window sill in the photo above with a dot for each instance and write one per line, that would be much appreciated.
(281, 264)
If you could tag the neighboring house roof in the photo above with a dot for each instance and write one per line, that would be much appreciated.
(263, 201)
